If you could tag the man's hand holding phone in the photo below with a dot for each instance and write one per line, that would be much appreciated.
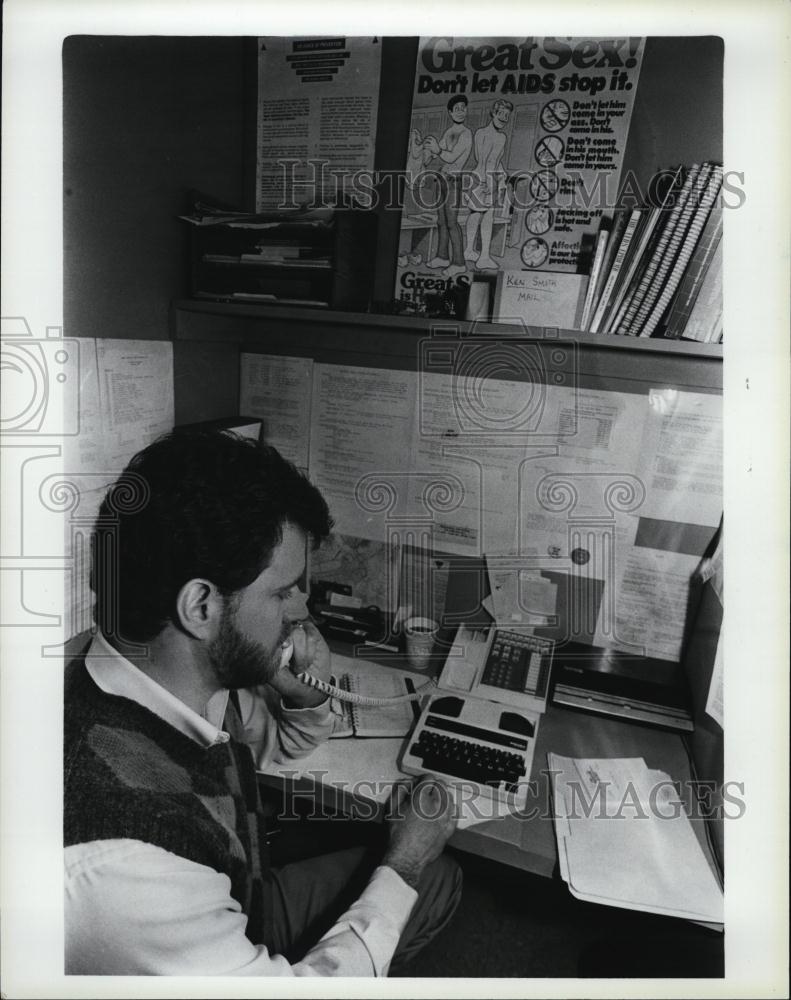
(310, 654)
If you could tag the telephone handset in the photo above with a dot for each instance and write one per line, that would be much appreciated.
(340, 693)
(286, 652)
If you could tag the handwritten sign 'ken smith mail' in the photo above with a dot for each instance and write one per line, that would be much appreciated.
(540, 298)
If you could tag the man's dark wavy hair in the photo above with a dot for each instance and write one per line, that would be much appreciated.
(193, 504)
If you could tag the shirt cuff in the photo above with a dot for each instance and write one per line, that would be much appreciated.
(377, 919)
(400, 896)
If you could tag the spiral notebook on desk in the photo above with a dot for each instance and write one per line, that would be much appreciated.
(374, 720)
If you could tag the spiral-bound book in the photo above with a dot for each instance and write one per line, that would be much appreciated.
(395, 719)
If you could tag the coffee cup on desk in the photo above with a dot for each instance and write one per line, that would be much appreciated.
(420, 635)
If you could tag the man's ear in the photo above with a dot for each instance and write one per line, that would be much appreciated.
(199, 608)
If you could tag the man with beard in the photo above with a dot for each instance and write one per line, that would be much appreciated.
(197, 552)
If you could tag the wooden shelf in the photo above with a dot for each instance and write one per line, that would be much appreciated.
(190, 321)
(560, 358)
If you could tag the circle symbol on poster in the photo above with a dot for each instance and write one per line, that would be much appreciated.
(543, 185)
(539, 220)
(534, 252)
(549, 150)
(555, 115)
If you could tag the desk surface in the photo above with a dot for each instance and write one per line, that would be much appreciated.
(354, 773)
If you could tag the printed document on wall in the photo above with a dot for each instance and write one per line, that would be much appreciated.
(651, 595)
(126, 402)
(361, 436)
(682, 449)
(317, 108)
(446, 472)
(136, 394)
(278, 390)
(473, 435)
(589, 487)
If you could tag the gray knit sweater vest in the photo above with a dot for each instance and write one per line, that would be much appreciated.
(127, 773)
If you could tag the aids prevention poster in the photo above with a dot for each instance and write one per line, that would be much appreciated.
(515, 150)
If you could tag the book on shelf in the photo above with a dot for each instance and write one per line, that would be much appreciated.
(594, 277)
(672, 250)
(698, 219)
(704, 323)
(659, 258)
(651, 225)
(666, 221)
(695, 274)
(621, 240)
(649, 265)
(614, 223)
(395, 719)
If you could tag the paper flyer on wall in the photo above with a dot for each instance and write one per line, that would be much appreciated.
(278, 390)
(126, 402)
(316, 117)
(515, 147)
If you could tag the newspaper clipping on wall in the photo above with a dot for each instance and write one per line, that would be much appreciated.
(515, 149)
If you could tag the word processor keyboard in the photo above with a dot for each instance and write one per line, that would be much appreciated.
(480, 726)
(473, 742)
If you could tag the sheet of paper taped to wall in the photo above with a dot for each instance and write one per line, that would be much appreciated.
(523, 598)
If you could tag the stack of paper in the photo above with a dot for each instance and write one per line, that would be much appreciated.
(625, 840)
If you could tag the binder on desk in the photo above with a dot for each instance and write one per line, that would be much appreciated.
(624, 840)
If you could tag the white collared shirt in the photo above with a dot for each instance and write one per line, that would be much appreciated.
(133, 908)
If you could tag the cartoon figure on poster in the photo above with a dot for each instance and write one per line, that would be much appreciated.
(434, 169)
(448, 157)
(489, 190)
(434, 172)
